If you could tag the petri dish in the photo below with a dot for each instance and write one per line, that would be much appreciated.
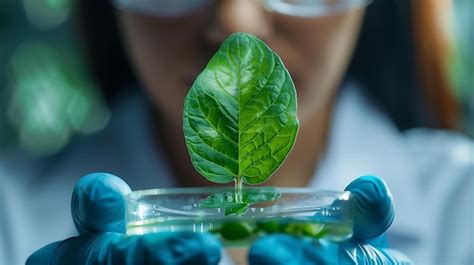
(302, 212)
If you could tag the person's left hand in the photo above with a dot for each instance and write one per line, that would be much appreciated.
(373, 214)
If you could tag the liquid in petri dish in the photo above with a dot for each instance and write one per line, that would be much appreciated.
(241, 232)
(301, 212)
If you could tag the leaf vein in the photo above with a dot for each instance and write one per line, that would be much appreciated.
(271, 104)
(204, 142)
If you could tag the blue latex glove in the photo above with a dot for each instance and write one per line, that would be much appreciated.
(373, 214)
(98, 209)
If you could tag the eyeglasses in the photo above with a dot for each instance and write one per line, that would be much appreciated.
(298, 8)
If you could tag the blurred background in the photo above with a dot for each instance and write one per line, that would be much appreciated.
(48, 97)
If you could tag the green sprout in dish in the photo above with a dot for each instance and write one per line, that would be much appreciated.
(241, 231)
(240, 119)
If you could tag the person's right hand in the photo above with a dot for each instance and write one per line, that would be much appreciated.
(373, 210)
(98, 210)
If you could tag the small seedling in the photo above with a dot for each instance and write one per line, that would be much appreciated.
(236, 231)
(240, 120)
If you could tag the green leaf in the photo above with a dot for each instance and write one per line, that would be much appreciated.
(236, 208)
(271, 226)
(304, 229)
(240, 114)
(235, 230)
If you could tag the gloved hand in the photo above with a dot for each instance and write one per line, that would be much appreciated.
(98, 210)
(373, 209)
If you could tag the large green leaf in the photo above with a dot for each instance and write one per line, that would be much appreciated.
(240, 114)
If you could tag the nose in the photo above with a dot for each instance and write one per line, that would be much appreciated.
(238, 16)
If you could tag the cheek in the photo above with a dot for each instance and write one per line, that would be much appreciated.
(163, 59)
(317, 52)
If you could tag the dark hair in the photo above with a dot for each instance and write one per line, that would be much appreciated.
(103, 46)
(384, 61)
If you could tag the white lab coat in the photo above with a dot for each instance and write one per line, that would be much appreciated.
(429, 172)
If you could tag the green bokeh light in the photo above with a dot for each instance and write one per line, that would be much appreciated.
(46, 14)
(51, 99)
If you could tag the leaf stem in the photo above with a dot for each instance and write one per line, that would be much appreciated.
(238, 190)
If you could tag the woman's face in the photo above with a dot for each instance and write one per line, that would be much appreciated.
(169, 52)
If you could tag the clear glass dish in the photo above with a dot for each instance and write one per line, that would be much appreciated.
(301, 212)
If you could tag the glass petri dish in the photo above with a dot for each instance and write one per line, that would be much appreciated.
(302, 212)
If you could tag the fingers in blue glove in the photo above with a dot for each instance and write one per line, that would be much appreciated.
(98, 204)
(43, 255)
(168, 248)
(115, 248)
(283, 249)
(372, 205)
(351, 252)
(85, 249)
